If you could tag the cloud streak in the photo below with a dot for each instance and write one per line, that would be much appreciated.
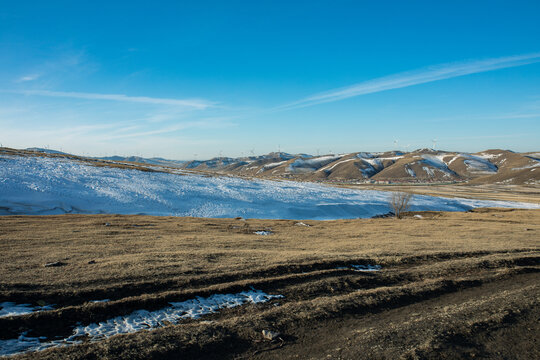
(416, 77)
(210, 123)
(30, 77)
(192, 103)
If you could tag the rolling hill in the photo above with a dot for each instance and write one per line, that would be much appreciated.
(419, 166)
(415, 167)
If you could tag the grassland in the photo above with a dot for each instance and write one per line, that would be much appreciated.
(517, 193)
(452, 285)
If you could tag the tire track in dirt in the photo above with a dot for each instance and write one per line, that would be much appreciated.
(336, 291)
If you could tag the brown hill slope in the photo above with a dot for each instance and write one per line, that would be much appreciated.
(420, 166)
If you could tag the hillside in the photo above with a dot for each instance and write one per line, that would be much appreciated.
(419, 166)
(47, 185)
(502, 167)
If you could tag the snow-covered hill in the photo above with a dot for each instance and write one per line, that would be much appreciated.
(56, 185)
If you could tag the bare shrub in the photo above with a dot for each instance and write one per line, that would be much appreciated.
(400, 203)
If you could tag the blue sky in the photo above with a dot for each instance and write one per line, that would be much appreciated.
(189, 80)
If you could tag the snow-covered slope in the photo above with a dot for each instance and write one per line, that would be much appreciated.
(45, 185)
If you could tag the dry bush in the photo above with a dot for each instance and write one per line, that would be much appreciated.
(400, 203)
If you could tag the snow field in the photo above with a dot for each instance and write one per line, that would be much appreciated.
(44, 186)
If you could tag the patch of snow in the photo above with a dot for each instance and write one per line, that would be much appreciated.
(368, 172)
(535, 164)
(272, 165)
(366, 267)
(364, 155)
(454, 159)
(47, 186)
(435, 161)
(24, 344)
(312, 164)
(336, 164)
(375, 162)
(391, 157)
(13, 309)
(302, 224)
(263, 232)
(410, 171)
(139, 320)
(418, 216)
(429, 171)
(478, 164)
(489, 156)
(100, 301)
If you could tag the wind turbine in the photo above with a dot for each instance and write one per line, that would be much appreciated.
(434, 143)
(252, 151)
(395, 144)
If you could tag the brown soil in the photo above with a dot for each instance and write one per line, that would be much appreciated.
(452, 285)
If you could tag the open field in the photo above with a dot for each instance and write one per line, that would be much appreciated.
(517, 193)
(451, 285)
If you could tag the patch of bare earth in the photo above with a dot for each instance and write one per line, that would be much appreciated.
(451, 285)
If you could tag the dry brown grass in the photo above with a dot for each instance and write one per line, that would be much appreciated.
(517, 193)
(146, 262)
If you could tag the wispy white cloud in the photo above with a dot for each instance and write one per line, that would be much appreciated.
(209, 123)
(421, 76)
(192, 103)
(61, 64)
(29, 77)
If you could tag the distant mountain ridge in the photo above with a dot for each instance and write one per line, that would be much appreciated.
(419, 166)
(141, 160)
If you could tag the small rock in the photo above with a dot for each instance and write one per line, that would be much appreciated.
(302, 224)
(270, 335)
(92, 262)
(56, 263)
(107, 224)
